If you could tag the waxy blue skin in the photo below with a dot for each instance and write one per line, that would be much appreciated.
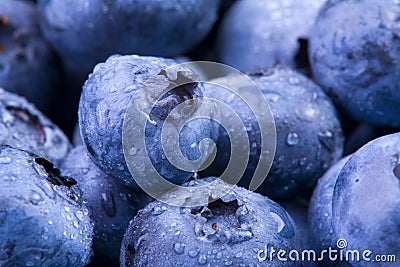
(111, 204)
(104, 101)
(28, 65)
(262, 34)
(24, 126)
(230, 231)
(320, 210)
(85, 33)
(355, 57)
(298, 210)
(43, 219)
(365, 205)
(309, 136)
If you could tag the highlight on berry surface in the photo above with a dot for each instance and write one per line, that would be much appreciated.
(161, 125)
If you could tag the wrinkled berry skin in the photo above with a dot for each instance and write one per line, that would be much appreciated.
(43, 220)
(28, 66)
(104, 102)
(111, 204)
(309, 135)
(320, 209)
(355, 57)
(365, 206)
(85, 33)
(228, 231)
(23, 126)
(261, 34)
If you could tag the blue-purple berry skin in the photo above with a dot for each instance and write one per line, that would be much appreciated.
(229, 231)
(111, 204)
(355, 56)
(28, 65)
(85, 33)
(43, 220)
(262, 34)
(365, 206)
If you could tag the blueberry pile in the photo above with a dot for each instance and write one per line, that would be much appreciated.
(108, 136)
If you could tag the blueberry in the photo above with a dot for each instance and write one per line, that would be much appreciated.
(111, 204)
(320, 209)
(298, 210)
(309, 136)
(365, 206)
(43, 221)
(261, 34)
(28, 66)
(85, 34)
(23, 126)
(355, 56)
(228, 231)
(103, 105)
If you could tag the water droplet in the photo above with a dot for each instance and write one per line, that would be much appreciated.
(303, 161)
(327, 140)
(5, 160)
(179, 248)
(244, 210)
(85, 212)
(293, 80)
(133, 151)
(67, 209)
(194, 252)
(292, 139)
(79, 215)
(279, 220)
(159, 210)
(76, 224)
(35, 198)
(238, 255)
(141, 167)
(228, 263)
(108, 203)
(50, 222)
(202, 259)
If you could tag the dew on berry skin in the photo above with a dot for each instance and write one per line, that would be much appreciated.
(5, 160)
(293, 81)
(35, 198)
(202, 259)
(228, 263)
(159, 210)
(279, 220)
(179, 248)
(79, 215)
(108, 203)
(327, 140)
(292, 139)
(132, 151)
(194, 252)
